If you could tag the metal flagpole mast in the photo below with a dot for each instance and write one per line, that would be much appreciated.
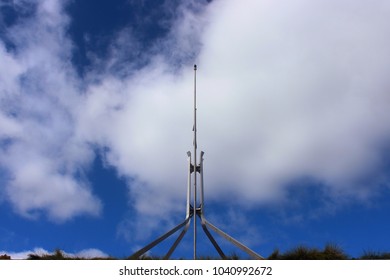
(193, 210)
(195, 163)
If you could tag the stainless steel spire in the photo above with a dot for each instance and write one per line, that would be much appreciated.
(195, 210)
(195, 162)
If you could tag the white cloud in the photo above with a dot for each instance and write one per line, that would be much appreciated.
(285, 91)
(90, 253)
(291, 93)
(41, 153)
(87, 253)
(24, 254)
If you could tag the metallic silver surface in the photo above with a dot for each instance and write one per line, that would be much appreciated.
(195, 163)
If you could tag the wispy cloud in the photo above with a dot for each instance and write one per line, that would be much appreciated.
(87, 253)
(40, 152)
(24, 254)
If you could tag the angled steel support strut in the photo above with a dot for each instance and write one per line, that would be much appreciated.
(145, 249)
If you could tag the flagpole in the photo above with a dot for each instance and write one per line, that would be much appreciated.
(195, 162)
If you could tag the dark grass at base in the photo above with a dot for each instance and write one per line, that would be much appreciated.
(329, 252)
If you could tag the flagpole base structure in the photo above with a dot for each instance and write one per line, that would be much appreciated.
(194, 211)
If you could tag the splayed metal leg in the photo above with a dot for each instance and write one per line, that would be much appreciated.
(145, 249)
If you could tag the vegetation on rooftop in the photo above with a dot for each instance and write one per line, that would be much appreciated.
(329, 252)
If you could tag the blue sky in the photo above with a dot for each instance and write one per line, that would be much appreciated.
(96, 120)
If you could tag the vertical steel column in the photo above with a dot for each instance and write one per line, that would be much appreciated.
(195, 163)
